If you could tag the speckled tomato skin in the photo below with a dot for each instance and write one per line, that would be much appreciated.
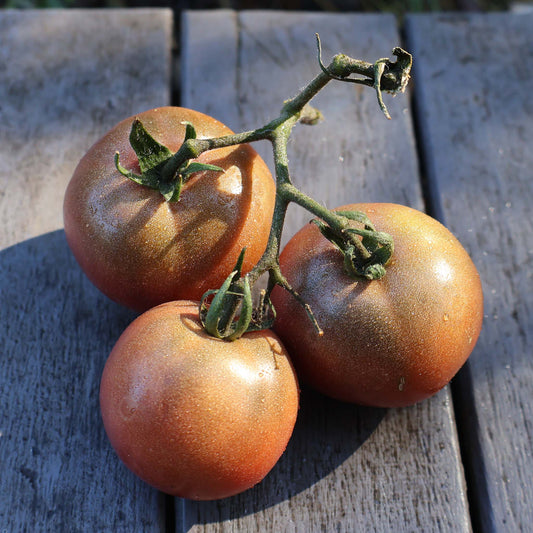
(194, 416)
(141, 250)
(386, 343)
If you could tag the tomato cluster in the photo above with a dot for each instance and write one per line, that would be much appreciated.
(203, 418)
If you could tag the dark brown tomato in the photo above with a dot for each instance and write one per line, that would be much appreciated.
(390, 342)
(141, 250)
(192, 415)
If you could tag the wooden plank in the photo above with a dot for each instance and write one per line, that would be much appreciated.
(347, 468)
(474, 76)
(67, 77)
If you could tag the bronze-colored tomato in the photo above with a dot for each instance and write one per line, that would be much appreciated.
(195, 416)
(390, 342)
(141, 250)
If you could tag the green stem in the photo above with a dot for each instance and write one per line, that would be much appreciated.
(337, 223)
(390, 77)
(193, 148)
(382, 75)
(271, 254)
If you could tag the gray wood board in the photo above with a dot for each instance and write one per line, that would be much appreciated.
(347, 468)
(474, 79)
(66, 77)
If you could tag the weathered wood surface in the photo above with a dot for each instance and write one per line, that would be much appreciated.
(65, 78)
(474, 81)
(347, 468)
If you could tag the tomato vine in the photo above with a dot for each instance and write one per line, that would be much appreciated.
(228, 312)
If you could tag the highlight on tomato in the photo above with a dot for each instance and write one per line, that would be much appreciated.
(388, 342)
(139, 245)
(195, 416)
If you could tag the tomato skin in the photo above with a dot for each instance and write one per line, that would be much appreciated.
(386, 343)
(140, 250)
(194, 416)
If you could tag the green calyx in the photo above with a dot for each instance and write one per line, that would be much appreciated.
(377, 245)
(231, 313)
(153, 160)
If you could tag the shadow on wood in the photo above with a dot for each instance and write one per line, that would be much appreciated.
(57, 331)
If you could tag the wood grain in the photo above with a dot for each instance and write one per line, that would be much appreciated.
(67, 77)
(474, 78)
(347, 468)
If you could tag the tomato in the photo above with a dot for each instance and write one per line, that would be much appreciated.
(194, 416)
(141, 250)
(390, 342)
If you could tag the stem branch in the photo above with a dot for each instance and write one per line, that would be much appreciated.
(365, 250)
